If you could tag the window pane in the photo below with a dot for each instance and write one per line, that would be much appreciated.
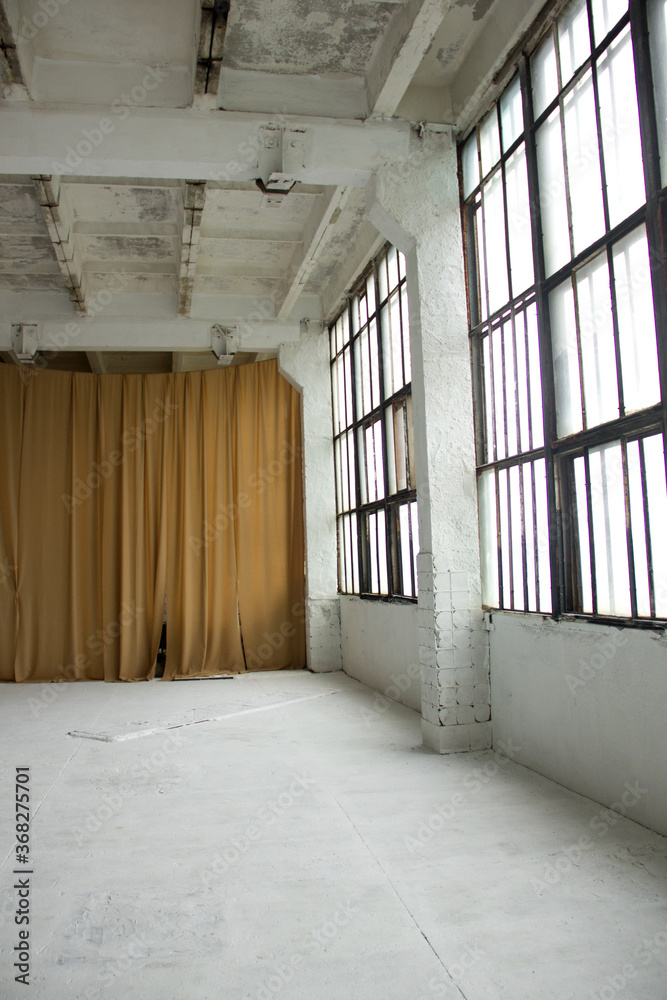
(405, 320)
(606, 13)
(405, 545)
(596, 339)
(488, 531)
(621, 139)
(516, 522)
(580, 482)
(636, 321)
(373, 463)
(658, 37)
(382, 553)
(544, 72)
(553, 199)
(505, 564)
(518, 215)
(489, 141)
(496, 254)
(657, 508)
(638, 523)
(574, 44)
(542, 530)
(566, 360)
(583, 164)
(480, 258)
(511, 113)
(470, 163)
(612, 578)
(392, 268)
(500, 409)
(531, 552)
(537, 422)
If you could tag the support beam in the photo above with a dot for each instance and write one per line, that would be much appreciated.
(399, 57)
(48, 192)
(176, 335)
(193, 208)
(315, 240)
(96, 361)
(10, 67)
(158, 142)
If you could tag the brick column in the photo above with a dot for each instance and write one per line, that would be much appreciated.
(415, 204)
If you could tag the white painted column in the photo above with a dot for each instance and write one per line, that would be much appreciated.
(306, 365)
(415, 204)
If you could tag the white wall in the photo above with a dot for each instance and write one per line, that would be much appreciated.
(306, 366)
(587, 705)
(380, 644)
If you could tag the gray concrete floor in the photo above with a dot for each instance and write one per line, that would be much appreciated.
(313, 851)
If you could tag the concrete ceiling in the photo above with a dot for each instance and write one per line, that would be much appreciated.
(133, 134)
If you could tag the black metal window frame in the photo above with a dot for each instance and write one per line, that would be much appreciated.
(376, 496)
(558, 559)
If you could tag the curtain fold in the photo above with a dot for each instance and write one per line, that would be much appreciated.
(202, 602)
(11, 429)
(269, 523)
(115, 485)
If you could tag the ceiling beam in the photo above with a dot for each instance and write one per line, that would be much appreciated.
(97, 362)
(194, 196)
(165, 143)
(315, 239)
(176, 335)
(59, 227)
(397, 60)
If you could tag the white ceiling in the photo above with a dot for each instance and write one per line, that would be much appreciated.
(133, 133)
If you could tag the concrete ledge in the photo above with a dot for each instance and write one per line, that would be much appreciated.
(457, 739)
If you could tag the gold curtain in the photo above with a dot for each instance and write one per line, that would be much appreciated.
(115, 486)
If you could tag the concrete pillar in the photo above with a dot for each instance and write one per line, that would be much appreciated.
(306, 366)
(415, 204)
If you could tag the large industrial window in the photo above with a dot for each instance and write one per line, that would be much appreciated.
(563, 206)
(373, 440)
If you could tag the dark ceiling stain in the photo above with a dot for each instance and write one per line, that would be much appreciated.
(154, 204)
(480, 8)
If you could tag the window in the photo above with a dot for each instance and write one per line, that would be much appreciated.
(373, 439)
(563, 201)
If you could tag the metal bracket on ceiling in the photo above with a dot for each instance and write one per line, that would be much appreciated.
(280, 157)
(25, 342)
(224, 343)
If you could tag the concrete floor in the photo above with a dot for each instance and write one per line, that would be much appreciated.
(310, 852)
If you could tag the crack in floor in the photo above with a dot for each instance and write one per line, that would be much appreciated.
(107, 738)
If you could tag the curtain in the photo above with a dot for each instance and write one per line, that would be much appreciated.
(114, 486)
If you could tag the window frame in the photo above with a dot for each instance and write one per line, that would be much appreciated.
(559, 452)
(387, 505)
